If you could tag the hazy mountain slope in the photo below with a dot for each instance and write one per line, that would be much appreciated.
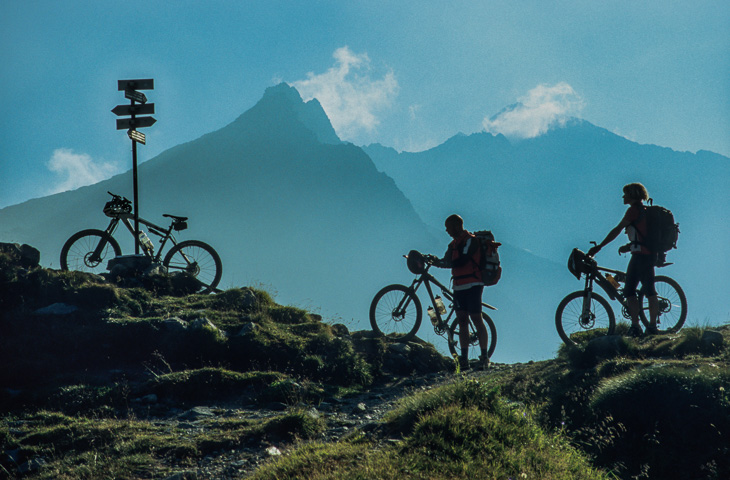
(313, 221)
(563, 189)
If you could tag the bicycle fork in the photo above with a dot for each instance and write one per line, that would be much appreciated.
(95, 256)
(587, 317)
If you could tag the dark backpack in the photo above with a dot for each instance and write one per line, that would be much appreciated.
(661, 230)
(489, 265)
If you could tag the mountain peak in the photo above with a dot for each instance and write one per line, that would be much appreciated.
(283, 90)
(282, 101)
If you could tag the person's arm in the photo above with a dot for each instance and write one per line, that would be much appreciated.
(442, 262)
(615, 232)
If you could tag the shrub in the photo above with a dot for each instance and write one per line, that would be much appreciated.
(466, 393)
(659, 410)
(208, 384)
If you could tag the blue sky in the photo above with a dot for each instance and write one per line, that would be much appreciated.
(406, 74)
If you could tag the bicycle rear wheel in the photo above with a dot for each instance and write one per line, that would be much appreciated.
(198, 259)
(89, 251)
(672, 305)
(396, 311)
(454, 337)
(578, 314)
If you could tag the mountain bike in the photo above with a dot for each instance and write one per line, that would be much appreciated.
(89, 250)
(396, 310)
(586, 310)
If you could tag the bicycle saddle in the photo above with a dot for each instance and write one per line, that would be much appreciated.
(175, 217)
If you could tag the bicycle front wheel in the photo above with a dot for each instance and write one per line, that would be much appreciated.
(396, 311)
(198, 259)
(89, 251)
(672, 305)
(579, 313)
(454, 337)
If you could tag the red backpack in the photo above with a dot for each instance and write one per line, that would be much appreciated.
(489, 265)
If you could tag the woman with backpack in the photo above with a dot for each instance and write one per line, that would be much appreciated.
(643, 260)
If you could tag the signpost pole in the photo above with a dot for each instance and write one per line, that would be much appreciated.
(136, 196)
(131, 92)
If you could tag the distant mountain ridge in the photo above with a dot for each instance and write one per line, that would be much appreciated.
(562, 190)
(283, 201)
(290, 207)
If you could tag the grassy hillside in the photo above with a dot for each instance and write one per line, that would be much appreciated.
(100, 381)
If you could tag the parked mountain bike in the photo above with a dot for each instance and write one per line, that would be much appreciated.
(396, 310)
(586, 310)
(90, 250)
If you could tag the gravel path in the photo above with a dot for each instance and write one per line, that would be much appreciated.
(361, 412)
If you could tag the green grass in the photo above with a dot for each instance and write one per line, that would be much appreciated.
(635, 413)
(650, 408)
(82, 447)
(464, 430)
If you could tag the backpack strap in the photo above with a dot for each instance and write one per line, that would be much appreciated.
(635, 224)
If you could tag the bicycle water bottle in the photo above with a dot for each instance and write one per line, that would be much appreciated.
(145, 241)
(440, 305)
(612, 281)
(432, 316)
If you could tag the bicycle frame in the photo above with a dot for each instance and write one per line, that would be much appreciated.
(598, 276)
(426, 279)
(164, 234)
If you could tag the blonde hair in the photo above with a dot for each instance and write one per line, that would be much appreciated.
(636, 191)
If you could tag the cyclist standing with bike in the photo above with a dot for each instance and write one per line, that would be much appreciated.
(641, 265)
(462, 257)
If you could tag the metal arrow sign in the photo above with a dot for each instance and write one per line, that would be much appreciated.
(145, 109)
(144, 84)
(139, 122)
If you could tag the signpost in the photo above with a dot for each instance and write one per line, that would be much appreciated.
(138, 106)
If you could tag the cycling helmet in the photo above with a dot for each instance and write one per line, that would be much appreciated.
(416, 262)
(579, 263)
(114, 207)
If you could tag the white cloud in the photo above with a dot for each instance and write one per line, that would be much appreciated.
(542, 108)
(348, 93)
(77, 170)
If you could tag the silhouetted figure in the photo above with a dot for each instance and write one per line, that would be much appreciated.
(641, 265)
(462, 256)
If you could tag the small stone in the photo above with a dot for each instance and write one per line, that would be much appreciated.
(57, 309)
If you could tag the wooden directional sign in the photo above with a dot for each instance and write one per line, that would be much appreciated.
(139, 122)
(138, 137)
(145, 84)
(145, 109)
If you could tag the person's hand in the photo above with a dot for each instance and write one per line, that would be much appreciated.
(430, 258)
(594, 250)
(624, 248)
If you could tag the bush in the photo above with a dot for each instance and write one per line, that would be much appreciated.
(208, 384)
(674, 421)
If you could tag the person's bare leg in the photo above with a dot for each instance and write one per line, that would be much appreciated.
(463, 318)
(633, 306)
(483, 337)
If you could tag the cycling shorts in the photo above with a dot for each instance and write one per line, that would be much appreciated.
(469, 300)
(640, 269)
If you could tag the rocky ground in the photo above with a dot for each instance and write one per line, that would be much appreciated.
(356, 413)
